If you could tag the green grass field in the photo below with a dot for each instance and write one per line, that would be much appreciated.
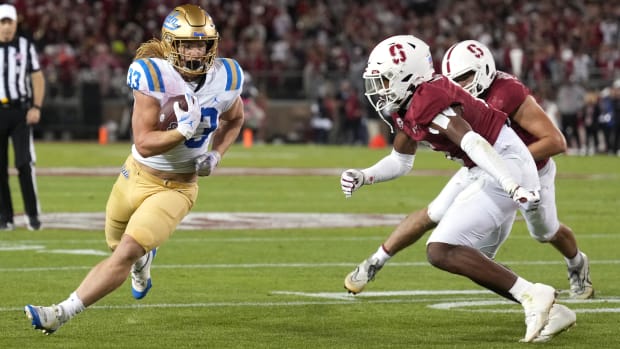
(283, 288)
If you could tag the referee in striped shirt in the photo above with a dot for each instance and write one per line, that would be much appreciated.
(22, 88)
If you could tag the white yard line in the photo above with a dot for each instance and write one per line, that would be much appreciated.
(279, 265)
(442, 302)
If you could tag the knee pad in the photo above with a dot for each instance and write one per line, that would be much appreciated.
(542, 235)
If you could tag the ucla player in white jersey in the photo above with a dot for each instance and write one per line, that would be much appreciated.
(157, 185)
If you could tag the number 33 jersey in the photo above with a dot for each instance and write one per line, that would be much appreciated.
(216, 93)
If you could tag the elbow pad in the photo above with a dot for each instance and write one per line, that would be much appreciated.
(392, 166)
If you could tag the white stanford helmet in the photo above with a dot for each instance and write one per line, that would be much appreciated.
(395, 67)
(470, 56)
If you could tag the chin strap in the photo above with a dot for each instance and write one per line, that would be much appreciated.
(402, 107)
(386, 122)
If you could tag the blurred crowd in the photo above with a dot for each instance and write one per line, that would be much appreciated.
(316, 49)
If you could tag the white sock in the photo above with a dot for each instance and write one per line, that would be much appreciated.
(381, 256)
(71, 306)
(575, 261)
(518, 289)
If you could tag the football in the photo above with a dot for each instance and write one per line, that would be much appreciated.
(167, 117)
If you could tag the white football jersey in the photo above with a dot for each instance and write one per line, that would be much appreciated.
(221, 87)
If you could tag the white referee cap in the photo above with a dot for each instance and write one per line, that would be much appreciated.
(8, 11)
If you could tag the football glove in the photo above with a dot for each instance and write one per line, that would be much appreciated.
(207, 162)
(350, 181)
(189, 119)
(529, 200)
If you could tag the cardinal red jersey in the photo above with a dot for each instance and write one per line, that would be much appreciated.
(507, 93)
(434, 96)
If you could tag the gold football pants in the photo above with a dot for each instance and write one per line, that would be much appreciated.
(146, 207)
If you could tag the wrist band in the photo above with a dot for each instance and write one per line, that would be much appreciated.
(36, 106)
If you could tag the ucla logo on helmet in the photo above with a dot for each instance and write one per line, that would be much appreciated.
(172, 22)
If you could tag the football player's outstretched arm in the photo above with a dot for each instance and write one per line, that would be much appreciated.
(398, 163)
(534, 120)
(149, 140)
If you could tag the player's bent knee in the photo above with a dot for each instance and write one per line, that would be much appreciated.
(437, 255)
(542, 236)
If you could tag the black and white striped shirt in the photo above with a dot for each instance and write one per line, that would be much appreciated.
(18, 59)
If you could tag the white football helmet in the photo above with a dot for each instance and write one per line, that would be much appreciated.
(466, 57)
(396, 66)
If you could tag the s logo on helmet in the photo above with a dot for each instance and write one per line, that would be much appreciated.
(397, 53)
(477, 51)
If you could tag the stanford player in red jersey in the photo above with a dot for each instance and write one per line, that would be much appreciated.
(476, 209)
(471, 64)
(431, 99)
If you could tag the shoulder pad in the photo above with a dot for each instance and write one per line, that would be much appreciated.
(146, 75)
(234, 74)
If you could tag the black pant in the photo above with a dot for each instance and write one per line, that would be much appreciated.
(13, 125)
